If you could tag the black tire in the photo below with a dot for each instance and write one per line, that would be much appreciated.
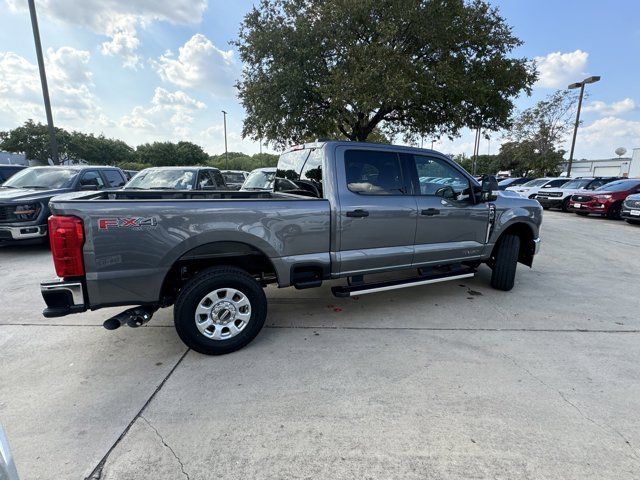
(201, 285)
(565, 204)
(615, 211)
(505, 263)
(545, 207)
(633, 222)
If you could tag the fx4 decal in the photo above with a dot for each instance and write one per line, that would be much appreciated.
(126, 222)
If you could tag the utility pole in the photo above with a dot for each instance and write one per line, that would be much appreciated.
(226, 154)
(43, 81)
(476, 147)
(580, 85)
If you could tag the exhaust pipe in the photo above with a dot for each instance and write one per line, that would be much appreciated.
(134, 317)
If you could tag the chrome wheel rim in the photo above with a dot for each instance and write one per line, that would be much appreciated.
(223, 313)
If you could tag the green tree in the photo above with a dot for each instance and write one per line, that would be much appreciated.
(485, 164)
(32, 139)
(169, 153)
(416, 67)
(536, 135)
(242, 161)
(98, 150)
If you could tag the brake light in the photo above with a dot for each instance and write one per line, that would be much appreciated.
(66, 235)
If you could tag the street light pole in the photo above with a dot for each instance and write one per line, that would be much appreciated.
(226, 154)
(43, 81)
(580, 85)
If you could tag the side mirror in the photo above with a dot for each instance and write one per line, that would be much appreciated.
(489, 186)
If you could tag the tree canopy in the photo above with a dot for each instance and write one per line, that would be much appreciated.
(169, 153)
(535, 139)
(415, 67)
(32, 139)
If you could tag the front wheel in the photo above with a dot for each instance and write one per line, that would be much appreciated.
(633, 222)
(506, 260)
(220, 310)
(615, 211)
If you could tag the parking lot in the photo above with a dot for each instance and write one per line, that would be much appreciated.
(454, 380)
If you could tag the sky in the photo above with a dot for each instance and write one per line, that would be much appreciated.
(147, 70)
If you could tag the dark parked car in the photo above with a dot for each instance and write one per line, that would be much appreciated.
(24, 198)
(234, 178)
(177, 178)
(606, 200)
(631, 209)
(7, 171)
(512, 182)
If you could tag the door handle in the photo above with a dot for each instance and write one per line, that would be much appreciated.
(359, 213)
(430, 212)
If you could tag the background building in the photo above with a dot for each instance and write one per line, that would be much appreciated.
(7, 158)
(607, 167)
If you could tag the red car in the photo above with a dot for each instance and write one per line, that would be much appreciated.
(605, 200)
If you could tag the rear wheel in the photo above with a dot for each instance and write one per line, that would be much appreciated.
(505, 263)
(614, 211)
(220, 310)
(565, 204)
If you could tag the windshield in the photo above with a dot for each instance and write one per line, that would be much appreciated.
(538, 182)
(233, 177)
(260, 179)
(161, 179)
(576, 183)
(48, 177)
(619, 185)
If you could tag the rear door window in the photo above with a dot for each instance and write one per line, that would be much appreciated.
(92, 178)
(555, 183)
(114, 178)
(218, 179)
(205, 179)
(370, 172)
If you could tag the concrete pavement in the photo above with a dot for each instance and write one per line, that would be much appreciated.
(454, 380)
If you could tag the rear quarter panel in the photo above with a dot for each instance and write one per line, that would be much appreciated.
(127, 265)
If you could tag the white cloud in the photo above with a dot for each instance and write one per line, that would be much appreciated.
(168, 115)
(558, 69)
(164, 98)
(70, 88)
(611, 109)
(200, 65)
(602, 137)
(124, 41)
(118, 19)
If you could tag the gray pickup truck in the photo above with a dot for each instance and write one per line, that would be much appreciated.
(378, 208)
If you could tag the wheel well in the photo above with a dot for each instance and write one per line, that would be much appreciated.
(235, 254)
(527, 245)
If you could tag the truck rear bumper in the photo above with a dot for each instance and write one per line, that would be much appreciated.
(62, 298)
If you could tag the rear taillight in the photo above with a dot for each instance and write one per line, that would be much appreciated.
(66, 235)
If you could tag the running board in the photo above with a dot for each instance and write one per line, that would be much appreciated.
(350, 291)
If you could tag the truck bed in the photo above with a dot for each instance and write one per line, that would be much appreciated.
(133, 238)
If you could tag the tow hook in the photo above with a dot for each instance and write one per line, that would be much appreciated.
(134, 317)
